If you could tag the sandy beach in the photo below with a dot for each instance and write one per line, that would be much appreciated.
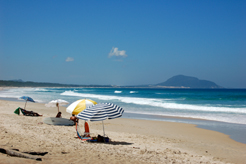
(132, 141)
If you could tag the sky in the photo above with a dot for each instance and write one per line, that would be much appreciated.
(125, 42)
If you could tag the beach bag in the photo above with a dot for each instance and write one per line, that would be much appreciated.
(102, 139)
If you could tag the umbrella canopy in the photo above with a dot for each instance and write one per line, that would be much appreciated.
(57, 103)
(79, 105)
(101, 112)
(27, 99)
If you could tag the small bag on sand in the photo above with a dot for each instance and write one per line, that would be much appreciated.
(102, 139)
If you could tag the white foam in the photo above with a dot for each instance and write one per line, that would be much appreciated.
(154, 106)
(163, 103)
(40, 95)
(240, 119)
(40, 90)
(86, 95)
(117, 91)
(11, 93)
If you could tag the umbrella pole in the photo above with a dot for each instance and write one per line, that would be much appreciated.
(103, 130)
(25, 105)
(58, 107)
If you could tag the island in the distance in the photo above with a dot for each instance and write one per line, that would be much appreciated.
(181, 81)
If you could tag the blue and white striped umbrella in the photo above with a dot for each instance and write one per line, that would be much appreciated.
(100, 112)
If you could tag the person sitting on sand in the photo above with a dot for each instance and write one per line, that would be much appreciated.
(59, 115)
(74, 119)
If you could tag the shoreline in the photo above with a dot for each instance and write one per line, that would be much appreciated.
(132, 140)
(233, 130)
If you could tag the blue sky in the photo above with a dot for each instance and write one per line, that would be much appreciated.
(123, 42)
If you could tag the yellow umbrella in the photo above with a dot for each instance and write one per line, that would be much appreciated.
(79, 105)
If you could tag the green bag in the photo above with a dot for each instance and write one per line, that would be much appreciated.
(17, 111)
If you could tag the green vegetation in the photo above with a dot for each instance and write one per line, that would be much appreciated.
(6, 83)
(179, 81)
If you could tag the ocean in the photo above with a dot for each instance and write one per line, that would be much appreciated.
(222, 110)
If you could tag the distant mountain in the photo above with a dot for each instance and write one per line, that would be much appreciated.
(181, 81)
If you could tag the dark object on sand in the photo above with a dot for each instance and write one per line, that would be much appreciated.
(74, 119)
(102, 139)
(59, 115)
(26, 112)
(19, 154)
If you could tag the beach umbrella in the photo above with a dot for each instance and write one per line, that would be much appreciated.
(101, 112)
(27, 99)
(79, 105)
(57, 103)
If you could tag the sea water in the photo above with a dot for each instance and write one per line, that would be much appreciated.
(222, 110)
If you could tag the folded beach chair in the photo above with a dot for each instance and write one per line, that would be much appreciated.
(87, 130)
(80, 134)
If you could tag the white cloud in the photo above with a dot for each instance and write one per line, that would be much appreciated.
(115, 52)
(69, 59)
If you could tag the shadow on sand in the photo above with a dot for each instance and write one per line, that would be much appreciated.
(118, 143)
(112, 142)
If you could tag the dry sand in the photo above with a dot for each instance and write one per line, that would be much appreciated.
(132, 141)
